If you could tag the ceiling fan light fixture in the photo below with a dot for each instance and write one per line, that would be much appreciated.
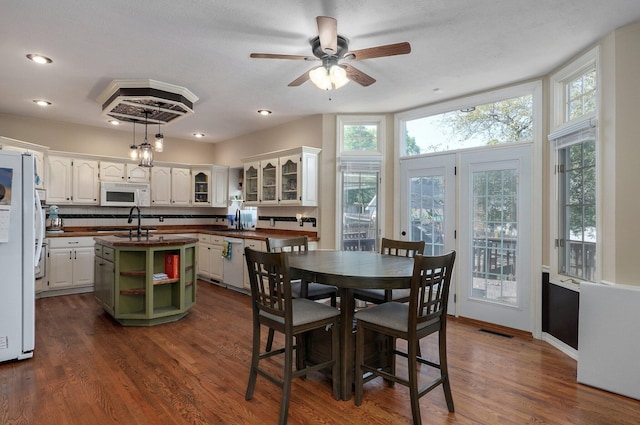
(329, 77)
(338, 76)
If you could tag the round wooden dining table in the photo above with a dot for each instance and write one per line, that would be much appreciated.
(350, 270)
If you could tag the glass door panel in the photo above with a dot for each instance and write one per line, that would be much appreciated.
(269, 181)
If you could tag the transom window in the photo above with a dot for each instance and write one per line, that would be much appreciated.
(502, 121)
(581, 95)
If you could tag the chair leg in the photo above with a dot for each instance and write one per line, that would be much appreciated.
(255, 358)
(335, 353)
(286, 382)
(444, 371)
(269, 340)
(359, 381)
(412, 367)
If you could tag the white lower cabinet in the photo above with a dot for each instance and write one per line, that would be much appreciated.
(70, 263)
(210, 256)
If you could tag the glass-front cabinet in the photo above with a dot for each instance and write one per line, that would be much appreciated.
(201, 182)
(269, 174)
(209, 185)
(288, 177)
(251, 182)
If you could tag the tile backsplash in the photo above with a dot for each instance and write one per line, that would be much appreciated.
(280, 218)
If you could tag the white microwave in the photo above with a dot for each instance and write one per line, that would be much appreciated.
(125, 194)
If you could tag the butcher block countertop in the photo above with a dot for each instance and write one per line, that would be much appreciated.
(156, 231)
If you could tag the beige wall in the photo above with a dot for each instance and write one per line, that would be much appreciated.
(627, 155)
(303, 132)
(76, 138)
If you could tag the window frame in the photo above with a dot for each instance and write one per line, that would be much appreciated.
(343, 157)
(563, 126)
(529, 88)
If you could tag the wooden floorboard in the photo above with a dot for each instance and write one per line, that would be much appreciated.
(87, 369)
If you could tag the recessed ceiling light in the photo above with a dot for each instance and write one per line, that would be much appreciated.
(40, 102)
(264, 112)
(198, 135)
(38, 58)
(114, 122)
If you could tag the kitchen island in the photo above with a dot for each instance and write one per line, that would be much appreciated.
(145, 280)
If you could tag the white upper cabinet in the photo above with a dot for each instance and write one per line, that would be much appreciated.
(72, 180)
(123, 172)
(282, 178)
(210, 186)
(112, 171)
(160, 186)
(137, 174)
(180, 186)
(170, 186)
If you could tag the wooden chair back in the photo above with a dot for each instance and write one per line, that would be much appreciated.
(430, 288)
(401, 248)
(270, 283)
(298, 243)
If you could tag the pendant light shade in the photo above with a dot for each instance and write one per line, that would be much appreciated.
(144, 152)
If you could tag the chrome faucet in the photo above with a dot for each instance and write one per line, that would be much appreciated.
(139, 231)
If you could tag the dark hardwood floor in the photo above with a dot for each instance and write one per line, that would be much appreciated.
(87, 370)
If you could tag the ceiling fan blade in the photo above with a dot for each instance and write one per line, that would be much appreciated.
(328, 34)
(301, 79)
(379, 52)
(276, 56)
(358, 76)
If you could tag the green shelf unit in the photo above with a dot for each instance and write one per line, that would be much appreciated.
(142, 301)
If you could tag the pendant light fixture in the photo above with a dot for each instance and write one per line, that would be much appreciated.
(144, 151)
(133, 149)
(159, 143)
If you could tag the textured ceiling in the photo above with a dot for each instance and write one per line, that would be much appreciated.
(458, 47)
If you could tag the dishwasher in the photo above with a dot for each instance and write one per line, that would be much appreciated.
(233, 264)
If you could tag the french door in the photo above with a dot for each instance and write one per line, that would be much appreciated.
(494, 266)
(428, 205)
(484, 213)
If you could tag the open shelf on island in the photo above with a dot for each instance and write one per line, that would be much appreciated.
(165, 281)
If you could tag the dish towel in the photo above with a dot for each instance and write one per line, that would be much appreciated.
(226, 250)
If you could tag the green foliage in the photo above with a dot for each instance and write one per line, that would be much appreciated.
(360, 138)
(506, 121)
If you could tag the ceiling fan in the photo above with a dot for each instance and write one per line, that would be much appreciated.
(333, 50)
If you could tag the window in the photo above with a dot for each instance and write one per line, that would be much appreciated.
(360, 141)
(581, 95)
(576, 145)
(577, 221)
(500, 121)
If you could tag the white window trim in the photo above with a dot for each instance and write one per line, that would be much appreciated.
(561, 127)
(341, 121)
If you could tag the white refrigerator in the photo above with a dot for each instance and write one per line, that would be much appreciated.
(21, 234)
